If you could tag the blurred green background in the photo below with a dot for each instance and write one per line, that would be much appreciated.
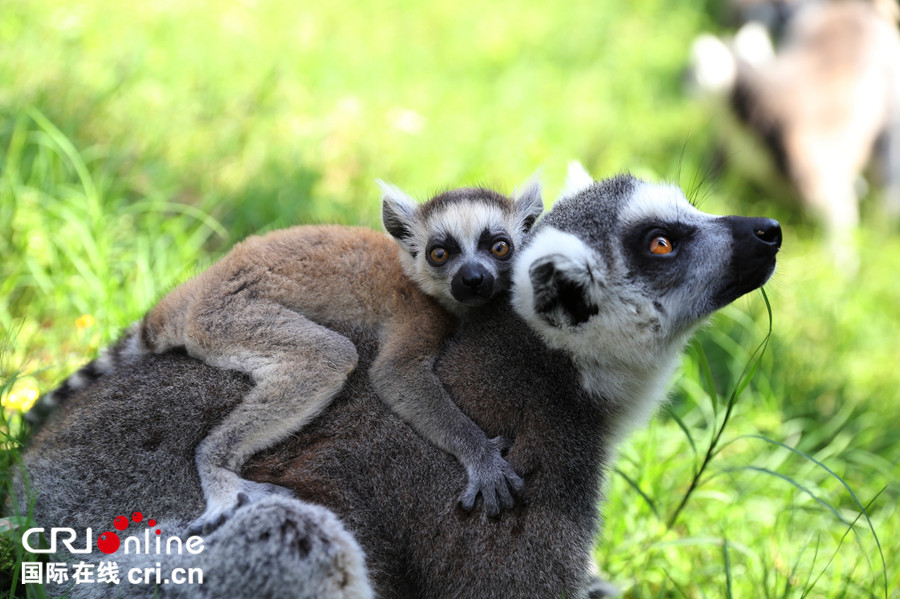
(139, 140)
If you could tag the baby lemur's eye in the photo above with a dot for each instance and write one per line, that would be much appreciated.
(438, 255)
(501, 248)
(660, 245)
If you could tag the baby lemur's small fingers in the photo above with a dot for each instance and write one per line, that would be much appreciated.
(503, 445)
(514, 480)
(506, 498)
(488, 496)
(494, 479)
(491, 505)
(496, 496)
(467, 499)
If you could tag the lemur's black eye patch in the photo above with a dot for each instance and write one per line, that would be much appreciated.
(439, 250)
(497, 243)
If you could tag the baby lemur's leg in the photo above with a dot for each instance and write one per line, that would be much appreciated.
(297, 365)
(403, 375)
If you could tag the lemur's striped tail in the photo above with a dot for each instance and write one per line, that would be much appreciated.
(125, 351)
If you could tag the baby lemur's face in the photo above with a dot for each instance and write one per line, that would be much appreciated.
(458, 246)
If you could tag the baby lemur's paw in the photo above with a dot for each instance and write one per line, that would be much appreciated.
(217, 512)
(493, 478)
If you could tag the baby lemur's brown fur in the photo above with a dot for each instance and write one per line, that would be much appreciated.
(264, 309)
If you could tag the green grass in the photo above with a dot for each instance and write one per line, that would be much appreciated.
(138, 141)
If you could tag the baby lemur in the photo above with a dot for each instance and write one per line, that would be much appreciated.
(265, 307)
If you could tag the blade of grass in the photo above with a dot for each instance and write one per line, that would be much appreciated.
(706, 374)
(815, 559)
(160, 205)
(686, 432)
(674, 584)
(727, 562)
(840, 543)
(62, 143)
(749, 370)
(788, 581)
(640, 491)
(845, 485)
(793, 483)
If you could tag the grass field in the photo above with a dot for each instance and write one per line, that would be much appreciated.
(138, 141)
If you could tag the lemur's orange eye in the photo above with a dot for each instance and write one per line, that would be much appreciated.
(660, 245)
(500, 249)
(438, 255)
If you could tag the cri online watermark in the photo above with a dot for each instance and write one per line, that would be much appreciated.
(109, 543)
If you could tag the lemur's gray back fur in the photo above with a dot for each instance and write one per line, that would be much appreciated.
(358, 460)
(298, 549)
(529, 374)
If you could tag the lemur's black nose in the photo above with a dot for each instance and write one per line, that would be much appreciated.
(767, 231)
(471, 277)
(750, 231)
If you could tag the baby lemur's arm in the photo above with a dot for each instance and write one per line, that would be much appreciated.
(403, 376)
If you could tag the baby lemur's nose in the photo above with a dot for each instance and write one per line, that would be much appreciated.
(471, 276)
(473, 279)
(472, 284)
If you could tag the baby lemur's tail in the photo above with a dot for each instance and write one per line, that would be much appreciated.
(125, 351)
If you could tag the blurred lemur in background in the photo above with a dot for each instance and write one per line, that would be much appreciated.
(825, 101)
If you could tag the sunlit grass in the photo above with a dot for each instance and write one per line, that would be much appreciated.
(138, 141)
(79, 240)
(724, 509)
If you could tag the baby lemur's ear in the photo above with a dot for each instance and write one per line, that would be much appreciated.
(528, 202)
(398, 212)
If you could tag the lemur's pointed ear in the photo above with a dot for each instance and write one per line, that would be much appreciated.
(577, 180)
(398, 211)
(528, 202)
